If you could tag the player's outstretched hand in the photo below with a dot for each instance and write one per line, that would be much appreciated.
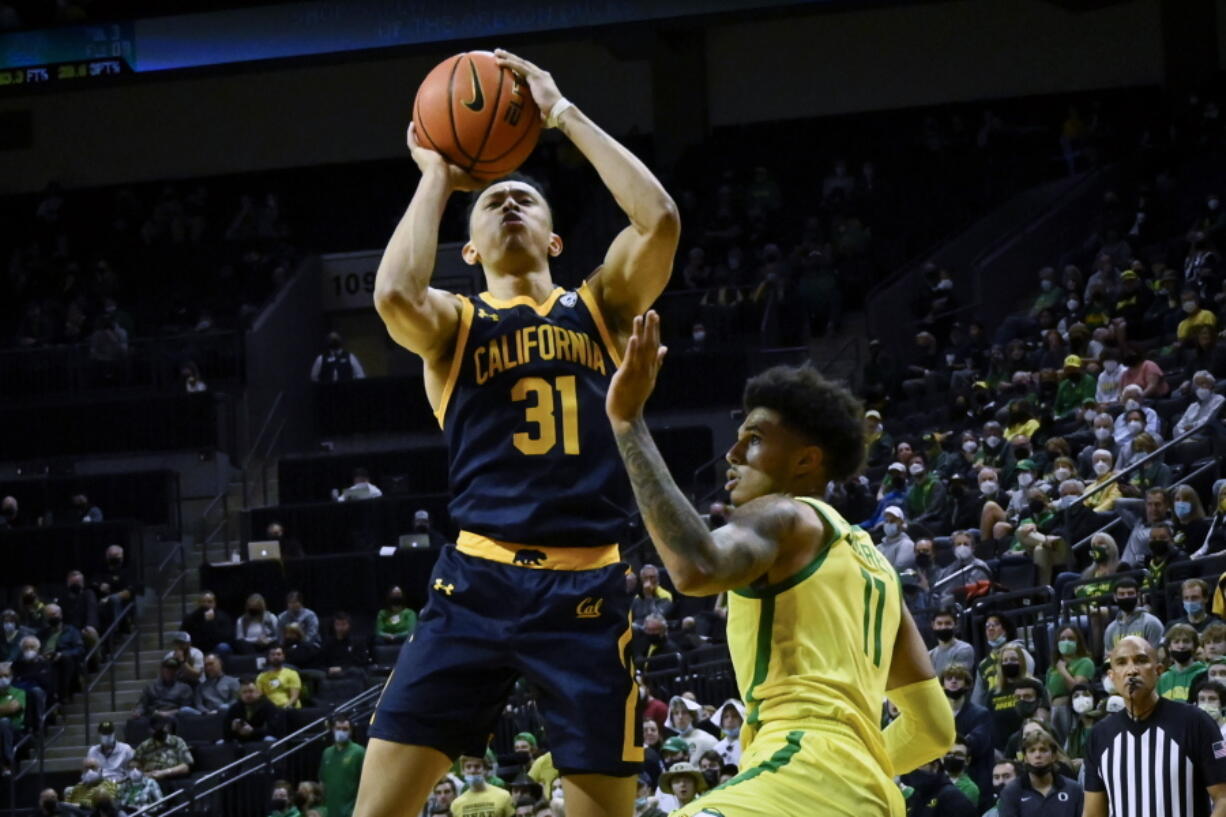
(635, 379)
(540, 82)
(431, 161)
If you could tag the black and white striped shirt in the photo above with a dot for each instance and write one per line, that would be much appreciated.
(1158, 767)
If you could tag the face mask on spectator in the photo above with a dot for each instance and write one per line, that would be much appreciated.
(1067, 646)
(90, 777)
(1025, 478)
(135, 775)
(916, 469)
(996, 642)
(1189, 307)
(1193, 608)
(1127, 605)
(992, 441)
(280, 803)
(1099, 555)
(1159, 547)
(963, 553)
(954, 765)
(1213, 710)
(943, 633)
(1046, 284)
(1026, 708)
(1089, 414)
(1065, 501)
(341, 735)
(1183, 508)
(923, 559)
(1135, 426)
(1101, 467)
(969, 446)
(1073, 304)
(1181, 656)
(1111, 366)
(1131, 404)
(1061, 474)
(1108, 685)
(107, 741)
(1102, 433)
(891, 529)
(9, 628)
(29, 655)
(988, 487)
(1203, 394)
(1082, 704)
(473, 779)
(1115, 703)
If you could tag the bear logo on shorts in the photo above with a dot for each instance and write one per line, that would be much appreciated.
(529, 558)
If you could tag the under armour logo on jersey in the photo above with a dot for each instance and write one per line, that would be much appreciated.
(589, 608)
(481, 313)
(446, 588)
(569, 299)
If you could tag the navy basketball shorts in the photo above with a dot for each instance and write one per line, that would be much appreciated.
(488, 622)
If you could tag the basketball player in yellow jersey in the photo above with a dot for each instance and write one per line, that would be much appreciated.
(816, 625)
(527, 468)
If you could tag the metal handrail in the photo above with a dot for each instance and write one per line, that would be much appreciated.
(268, 416)
(206, 539)
(107, 670)
(178, 581)
(216, 780)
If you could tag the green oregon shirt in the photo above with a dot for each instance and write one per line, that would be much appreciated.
(340, 769)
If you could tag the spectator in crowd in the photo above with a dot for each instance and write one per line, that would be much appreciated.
(684, 781)
(300, 655)
(683, 714)
(167, 696)
(12, 717)
(193, 383)
(1042, 790)
(115, 586)
(895, 545)
(216, 691)
(191, 659)
(92, 789)
(925, 499)
(929, 792)
(8, 513)
(342, 654)
(652, 598)
(949, 649)
(1195, 594)
(63, 647)
(730, 717)
(1003, 773)
(85, 510)
(33, 673)
(112, 755)
(479, 796)
(340, 769)
(11, 633)
(1140, 371)
(1185, 672)
(1016, 695)
(291, 548)
(1131, 620)
(998, 633)
(163, 756)
(279, 801)
(336, 364)
(653, 638)
(971, 721)
(252, 717)
(256, 629)
(395, 621)
(1076, 387)
(1157, 509)
(80, 607)
(1162, 554)
(1085, 715)
(361, 488)
(1210, 696)
(31, 610)
(955, 765)
(1107, 388)
(304, 617)
(309, 798)
(965, 569)
(878, 443)
(137, 790)
(1074, 667)
(1206, 405)
(279, 683)
(1105, 488)
(422, 524)
(211, 629)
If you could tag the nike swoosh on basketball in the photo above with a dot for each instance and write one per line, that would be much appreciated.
(478, 100)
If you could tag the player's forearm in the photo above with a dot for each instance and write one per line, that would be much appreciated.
(678, 532)
(408, 262)
(635, 188)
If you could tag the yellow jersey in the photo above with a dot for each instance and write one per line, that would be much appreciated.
(817, 646)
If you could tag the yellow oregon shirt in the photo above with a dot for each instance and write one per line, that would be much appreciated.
(490, 802)
(818, 646)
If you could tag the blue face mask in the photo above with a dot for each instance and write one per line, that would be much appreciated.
(1194, 608)
(1183, 509)
(473, 779)
(640, 803)
(734, 732)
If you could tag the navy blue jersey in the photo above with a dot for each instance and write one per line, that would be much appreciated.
(531, 450)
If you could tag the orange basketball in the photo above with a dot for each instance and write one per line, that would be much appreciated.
(480, 117)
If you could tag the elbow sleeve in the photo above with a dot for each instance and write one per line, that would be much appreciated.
(924, 729)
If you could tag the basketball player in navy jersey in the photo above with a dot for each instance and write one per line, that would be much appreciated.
(517, 378)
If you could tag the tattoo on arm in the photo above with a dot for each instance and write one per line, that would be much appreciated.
(674, 525)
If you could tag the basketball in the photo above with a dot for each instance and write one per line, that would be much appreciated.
(479, 116)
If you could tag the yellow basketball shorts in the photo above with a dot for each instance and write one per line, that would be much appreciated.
(818, 769)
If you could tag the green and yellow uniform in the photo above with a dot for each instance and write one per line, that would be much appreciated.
(812, 655)
(1176, 684)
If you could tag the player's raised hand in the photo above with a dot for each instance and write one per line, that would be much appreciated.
(431, 161)
(635, 379)
(540, 82)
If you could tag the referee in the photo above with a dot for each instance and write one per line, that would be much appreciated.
(1154, 757)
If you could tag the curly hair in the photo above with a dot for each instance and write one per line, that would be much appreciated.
(822, 412)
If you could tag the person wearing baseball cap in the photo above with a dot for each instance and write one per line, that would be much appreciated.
(896, 546)
(878, 444)
(645, 803)
(1076, 386)
(112, 754)
(167, 695)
